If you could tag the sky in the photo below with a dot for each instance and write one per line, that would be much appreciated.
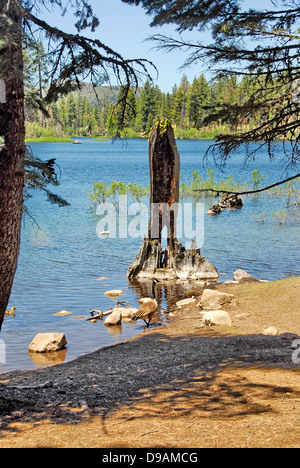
(126, 28)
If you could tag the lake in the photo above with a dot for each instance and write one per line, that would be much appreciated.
(61, 260)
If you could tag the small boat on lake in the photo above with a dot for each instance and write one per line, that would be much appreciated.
(76, 142)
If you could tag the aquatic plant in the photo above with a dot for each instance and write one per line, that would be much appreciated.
(256, 179)
(289, 193)
(209, 183)
(103, 193)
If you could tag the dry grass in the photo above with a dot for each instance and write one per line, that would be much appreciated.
(261, 305)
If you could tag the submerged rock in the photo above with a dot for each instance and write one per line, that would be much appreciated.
(114, 293)
(62, 313)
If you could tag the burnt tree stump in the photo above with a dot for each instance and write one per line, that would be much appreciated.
(175, 261)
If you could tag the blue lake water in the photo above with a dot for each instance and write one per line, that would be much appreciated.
(61, 260)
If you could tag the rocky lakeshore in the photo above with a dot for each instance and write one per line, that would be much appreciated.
(179, 385)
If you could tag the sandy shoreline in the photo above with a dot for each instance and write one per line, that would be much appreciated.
(175, 385)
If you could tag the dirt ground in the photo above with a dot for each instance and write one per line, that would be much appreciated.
(176, 386)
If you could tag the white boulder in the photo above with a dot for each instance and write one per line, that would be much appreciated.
(62, 313)
(214, 300)
(46, 342)
(184, 302)
(216, 317)
(272, 331)
(240, 275)
(126, 312)
(113, 293)
(115, 318)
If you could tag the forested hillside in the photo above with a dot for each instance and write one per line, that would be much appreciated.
(201, 109)
(193, 108)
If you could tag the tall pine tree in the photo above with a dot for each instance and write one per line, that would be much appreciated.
(73, 56)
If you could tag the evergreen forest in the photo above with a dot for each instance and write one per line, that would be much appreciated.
(196, 110)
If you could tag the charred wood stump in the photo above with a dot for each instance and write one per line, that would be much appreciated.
(175, 261)
(228, 202)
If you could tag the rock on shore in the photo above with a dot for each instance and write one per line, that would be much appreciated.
(212, 299)
(46, 342)
(217, 317)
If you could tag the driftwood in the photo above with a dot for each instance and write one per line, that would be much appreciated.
(175, 261)
(97, 314)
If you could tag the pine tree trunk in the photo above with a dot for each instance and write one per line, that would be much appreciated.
(12, 130)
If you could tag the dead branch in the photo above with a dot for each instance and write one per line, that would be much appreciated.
(249, 191)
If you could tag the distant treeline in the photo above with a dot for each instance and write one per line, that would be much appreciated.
(193, 109)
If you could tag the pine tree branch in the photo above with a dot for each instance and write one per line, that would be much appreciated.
(86, 54)
(249, 192)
